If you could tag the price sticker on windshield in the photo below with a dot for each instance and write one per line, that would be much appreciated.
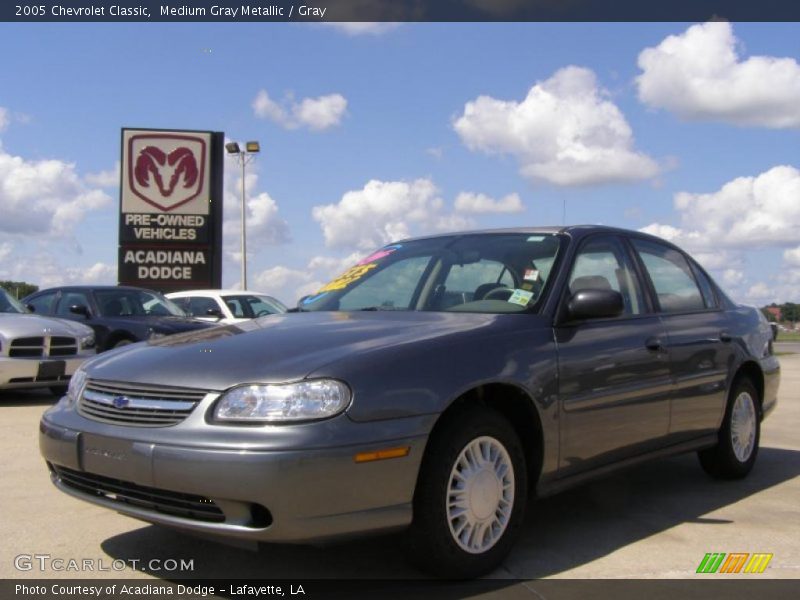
(352, 274)
(521, 297)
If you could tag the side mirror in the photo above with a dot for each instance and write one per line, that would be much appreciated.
(79, 309)
(215, 312)
(595, 304)
(30, 307)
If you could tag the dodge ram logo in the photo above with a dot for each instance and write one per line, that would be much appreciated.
(166, 170)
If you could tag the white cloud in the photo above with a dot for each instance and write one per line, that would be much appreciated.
(328, 267)
(105, 179)
(699, 75)
(4, 119)
(5, 250)
(362, 28)
(436, 152)
(469, 202)
(565, 132)
(384, 211)
(316, 114)
(732, 277)
(763, 210)
(760, 293)
(279, 277)
(266, 108)
(265, 226)
(748, 212)
(44, 197)
(792, 257)
(46, 270)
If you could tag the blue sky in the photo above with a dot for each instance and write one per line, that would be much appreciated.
(456, 125)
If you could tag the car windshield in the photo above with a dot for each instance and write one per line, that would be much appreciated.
(485, 273)
(249, 306)
(135, 303)
(9, 304)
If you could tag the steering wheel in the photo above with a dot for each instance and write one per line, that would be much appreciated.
(501, 293)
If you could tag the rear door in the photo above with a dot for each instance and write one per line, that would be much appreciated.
(614, 375)
(698, 341)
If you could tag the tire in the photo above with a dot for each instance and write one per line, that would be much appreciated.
(494, 496)
(735, 453)
(122, 342)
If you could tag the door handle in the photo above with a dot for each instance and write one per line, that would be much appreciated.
(655, 344)
(724, 336)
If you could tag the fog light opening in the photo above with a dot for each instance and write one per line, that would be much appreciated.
(260, 517)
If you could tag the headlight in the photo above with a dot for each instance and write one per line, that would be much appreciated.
(277, 403)
(87, 342)
(76, 385)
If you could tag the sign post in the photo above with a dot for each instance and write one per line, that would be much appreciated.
(170, 227)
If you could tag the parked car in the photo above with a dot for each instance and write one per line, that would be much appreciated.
(119, 315)
(226, 306)
(433, 387)
(38, 351)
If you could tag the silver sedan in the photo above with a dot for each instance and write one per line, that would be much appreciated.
(39, 351)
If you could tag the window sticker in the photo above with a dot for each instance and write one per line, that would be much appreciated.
(521, 297)
(314, 298)
(536, 238)
(345, 279)
(527, 286)
(382, 253)
(531, 275)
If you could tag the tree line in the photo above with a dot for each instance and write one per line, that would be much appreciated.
(789, 312)
(19, 289)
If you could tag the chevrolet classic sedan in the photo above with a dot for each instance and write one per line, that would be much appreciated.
(434, 387)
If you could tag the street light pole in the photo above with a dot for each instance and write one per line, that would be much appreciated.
(243, 161)
(243, 156)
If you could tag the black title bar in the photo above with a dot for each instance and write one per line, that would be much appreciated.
(398, 10)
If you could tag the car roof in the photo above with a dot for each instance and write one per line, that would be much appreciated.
(575, 231)
(216, 293)
(93, 288)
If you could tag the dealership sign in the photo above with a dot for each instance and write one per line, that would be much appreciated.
(170, 230)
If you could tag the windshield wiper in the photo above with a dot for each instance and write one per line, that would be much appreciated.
(381, 308)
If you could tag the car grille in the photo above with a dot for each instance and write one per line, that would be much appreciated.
(137, 405)
(38, 347)
(178, 504)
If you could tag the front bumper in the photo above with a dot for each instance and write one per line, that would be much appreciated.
(17, 373)
(286, 495)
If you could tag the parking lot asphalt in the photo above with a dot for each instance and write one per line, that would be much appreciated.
(654, 521)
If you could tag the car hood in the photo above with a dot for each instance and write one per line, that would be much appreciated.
(14, 325)
(279, 348)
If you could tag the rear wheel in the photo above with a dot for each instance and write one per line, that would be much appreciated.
(122, 342)
(735, 454)
(470, 498)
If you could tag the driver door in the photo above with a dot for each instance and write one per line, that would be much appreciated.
(614, 373)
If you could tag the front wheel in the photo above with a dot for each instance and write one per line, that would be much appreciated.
(470, 498)
(735, 454)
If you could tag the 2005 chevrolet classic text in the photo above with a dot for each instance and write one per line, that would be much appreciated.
(433, 387)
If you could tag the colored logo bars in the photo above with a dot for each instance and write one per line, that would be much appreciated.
(736, 562)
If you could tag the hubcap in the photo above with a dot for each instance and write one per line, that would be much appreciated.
(743, 426)
(480, 495)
